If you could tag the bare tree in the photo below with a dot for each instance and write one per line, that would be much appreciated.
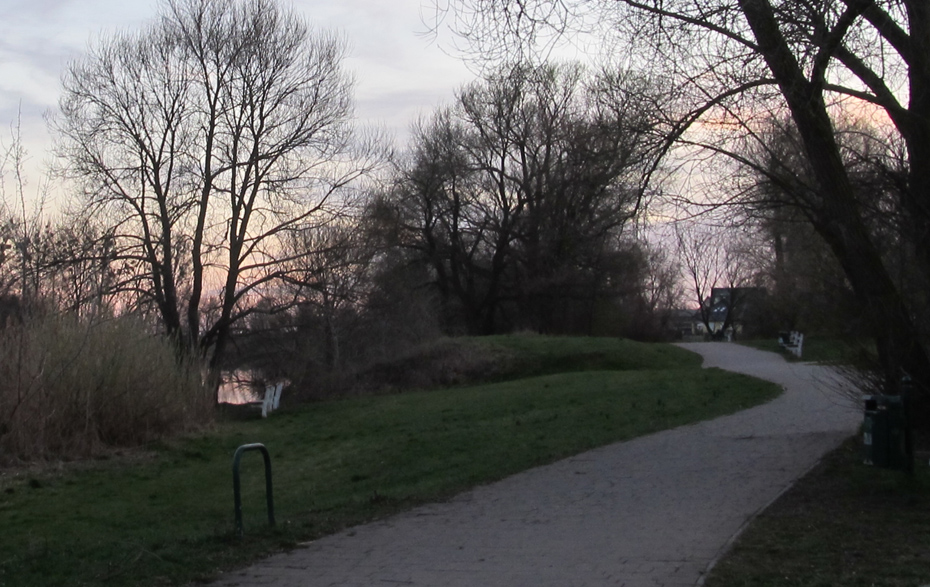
(805, 59)
(518, 193)
(334, 280)
(719, 266)
(22, 232)
(60, 262)
(662, 289)
(810, 288)
(203, 140)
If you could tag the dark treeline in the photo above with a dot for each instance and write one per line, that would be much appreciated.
(519, 198)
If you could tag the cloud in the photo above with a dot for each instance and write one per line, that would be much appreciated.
(399, 74)
(30, 78)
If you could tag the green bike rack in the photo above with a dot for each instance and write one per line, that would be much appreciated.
(237, 491)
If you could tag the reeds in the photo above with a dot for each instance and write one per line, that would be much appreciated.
(70, 388)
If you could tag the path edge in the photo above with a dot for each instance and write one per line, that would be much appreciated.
(725, 549)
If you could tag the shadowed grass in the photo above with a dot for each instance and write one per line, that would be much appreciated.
(817, 349)
(843, 524)
(531, 354)
(167, 519)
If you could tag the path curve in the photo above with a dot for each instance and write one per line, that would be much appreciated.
(654, 511)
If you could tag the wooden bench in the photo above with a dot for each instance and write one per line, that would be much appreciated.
(271, 400)
(793, 342)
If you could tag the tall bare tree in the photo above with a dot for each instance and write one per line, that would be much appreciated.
(203, 140)
(716, 258)
(516, 195)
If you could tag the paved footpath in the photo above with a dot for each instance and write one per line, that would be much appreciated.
(654, 511)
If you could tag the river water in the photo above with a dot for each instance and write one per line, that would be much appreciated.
(240, 386)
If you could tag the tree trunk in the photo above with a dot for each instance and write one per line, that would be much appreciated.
(838, 218)
(917, 136)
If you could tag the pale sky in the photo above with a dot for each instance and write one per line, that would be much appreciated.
(399, 73)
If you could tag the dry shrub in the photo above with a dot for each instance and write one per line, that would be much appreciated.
(444, 362)
(70, 389)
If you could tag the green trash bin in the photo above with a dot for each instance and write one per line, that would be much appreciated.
(885, 432)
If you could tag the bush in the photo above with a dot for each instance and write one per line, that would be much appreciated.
(69, 388)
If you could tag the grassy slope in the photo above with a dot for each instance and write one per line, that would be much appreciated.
(816, 349)
(537, 354)
(168, 519)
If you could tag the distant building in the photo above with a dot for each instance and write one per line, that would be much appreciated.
(683, 323)
(733, 311)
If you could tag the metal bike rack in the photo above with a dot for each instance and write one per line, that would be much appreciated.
(237, 491)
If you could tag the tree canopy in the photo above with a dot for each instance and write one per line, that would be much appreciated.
(518, 195)
(203, 140)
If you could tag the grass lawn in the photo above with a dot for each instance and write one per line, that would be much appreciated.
(533, 355)
(815, 349)
(164, 516)
(844, 524)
